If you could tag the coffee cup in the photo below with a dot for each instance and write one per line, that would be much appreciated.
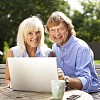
(58, 88)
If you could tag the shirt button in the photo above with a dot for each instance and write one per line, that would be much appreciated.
(65, 49)
(62, 62)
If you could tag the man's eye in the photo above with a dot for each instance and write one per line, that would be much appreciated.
(60, 28)
(52, 30)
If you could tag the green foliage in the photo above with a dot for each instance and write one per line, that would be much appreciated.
(96, 61)
(5, 51)
(13, 12)
(87, 23)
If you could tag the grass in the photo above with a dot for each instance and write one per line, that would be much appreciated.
(97, 61)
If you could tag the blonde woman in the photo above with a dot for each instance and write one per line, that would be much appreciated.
(30, 42)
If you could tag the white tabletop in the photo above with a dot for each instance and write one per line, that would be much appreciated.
(9, 94)
(84, 95)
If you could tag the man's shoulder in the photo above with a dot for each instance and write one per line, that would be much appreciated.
(81, 43)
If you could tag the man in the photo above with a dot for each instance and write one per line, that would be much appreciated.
(74, 57)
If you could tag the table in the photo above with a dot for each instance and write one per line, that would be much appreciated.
(9, 94)
(84, 95)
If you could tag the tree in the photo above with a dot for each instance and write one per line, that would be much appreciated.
(13, 12)
(87, 23)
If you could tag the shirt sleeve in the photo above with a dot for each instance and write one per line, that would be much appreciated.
(83, 65)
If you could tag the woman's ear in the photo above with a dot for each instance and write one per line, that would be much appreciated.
(51, 54)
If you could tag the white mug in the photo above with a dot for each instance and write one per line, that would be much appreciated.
(57, 88)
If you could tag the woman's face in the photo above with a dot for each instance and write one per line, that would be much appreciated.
(59, 34)
(33, 38)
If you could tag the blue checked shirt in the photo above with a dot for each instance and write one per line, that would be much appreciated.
(76, 59)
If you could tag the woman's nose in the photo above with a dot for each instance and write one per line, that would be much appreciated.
(34, 36)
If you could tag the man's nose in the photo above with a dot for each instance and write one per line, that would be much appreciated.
(57, 32)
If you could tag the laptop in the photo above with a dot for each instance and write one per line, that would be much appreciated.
(32, 74)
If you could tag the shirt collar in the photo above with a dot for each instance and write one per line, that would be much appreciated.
(25, 54)
(68, 43)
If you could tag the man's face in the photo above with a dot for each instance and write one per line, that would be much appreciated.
(59, 34)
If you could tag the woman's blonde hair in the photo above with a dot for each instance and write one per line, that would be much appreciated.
(56, 18)
(28, 25)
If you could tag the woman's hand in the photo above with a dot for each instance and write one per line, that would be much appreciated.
(60, 74)
(8, 83)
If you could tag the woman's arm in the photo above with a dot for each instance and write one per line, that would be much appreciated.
(51, 54)
(7, 74)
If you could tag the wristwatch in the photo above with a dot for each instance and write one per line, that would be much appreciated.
(67, 80)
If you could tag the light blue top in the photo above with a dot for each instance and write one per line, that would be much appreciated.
(76, 59)
(25, 54)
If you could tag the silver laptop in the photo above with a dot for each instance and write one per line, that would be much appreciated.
(32, 74)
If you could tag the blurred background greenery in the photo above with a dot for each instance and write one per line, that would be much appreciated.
(13, 12)
(96, 61)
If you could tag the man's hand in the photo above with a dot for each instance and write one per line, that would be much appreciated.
(60, 74)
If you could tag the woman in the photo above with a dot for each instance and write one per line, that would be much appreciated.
(30, 42)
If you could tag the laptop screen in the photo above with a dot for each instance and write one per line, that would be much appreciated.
(32, 74)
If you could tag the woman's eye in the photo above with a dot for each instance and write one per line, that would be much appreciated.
(30, 33)
(38, 32)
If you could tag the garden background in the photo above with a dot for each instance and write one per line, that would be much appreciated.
(86, 22)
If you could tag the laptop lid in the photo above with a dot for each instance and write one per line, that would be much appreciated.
(32, 74)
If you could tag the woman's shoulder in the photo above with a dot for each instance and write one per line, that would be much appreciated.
(10, 53)
(46, 50)
(14, 48)
(15, 51)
